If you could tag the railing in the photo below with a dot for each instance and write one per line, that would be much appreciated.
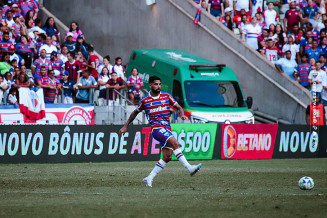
(118, 106)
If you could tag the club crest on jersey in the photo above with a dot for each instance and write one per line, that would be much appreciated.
(162, 102)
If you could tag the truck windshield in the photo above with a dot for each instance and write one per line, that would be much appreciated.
(213, 94)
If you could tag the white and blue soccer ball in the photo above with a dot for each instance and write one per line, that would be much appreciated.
(306, 183)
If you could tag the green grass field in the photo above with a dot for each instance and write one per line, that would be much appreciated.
(222, 188)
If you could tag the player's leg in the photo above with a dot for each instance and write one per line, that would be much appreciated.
(172, 142)
(160, 165)
(166, 156)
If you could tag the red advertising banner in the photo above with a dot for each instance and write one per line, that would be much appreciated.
(247, 141)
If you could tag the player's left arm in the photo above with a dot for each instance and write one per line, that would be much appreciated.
(180, 111)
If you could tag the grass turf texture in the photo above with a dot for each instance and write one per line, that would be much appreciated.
(224, 188)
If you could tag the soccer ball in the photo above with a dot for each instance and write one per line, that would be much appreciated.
(306, 183)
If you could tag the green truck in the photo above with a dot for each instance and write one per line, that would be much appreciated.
(207, 91)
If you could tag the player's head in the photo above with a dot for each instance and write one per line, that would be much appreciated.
(155, 84)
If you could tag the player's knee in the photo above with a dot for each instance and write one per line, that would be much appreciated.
(167, 158)
(175, 145)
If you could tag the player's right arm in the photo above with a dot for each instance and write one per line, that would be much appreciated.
(133, 115)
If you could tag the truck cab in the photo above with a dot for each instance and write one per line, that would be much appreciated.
(207, 91)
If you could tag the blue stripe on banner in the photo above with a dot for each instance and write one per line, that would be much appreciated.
(252, 37)
(159, 166)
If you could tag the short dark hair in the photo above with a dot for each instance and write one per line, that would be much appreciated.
(90, 49)
(305, 55)
(71, 54)
(288, 51)
(321, 56)
(153, 78)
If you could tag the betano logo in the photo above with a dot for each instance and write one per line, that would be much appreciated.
(244, 142)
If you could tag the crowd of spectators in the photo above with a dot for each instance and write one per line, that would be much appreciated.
(290, 33)
(63, 64)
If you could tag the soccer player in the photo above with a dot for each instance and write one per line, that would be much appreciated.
(157, 108)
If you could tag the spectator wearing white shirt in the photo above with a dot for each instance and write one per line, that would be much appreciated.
(316, 78)
(270, 15)
(294, 48)
(242, 4)
(3, 88)
(9, 20)
(48, 47)
(12, 99)
(64, 53)
(252, 31)
(106, 63)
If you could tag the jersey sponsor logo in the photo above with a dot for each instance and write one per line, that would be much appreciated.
(160, 108)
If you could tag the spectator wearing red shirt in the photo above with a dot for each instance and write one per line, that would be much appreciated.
(114, 83)
(292, 16)
(238, 18)
(262, 39)
(271, 52)
(93, 63)
(73, 67)
(216, 8)
(134, 84)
